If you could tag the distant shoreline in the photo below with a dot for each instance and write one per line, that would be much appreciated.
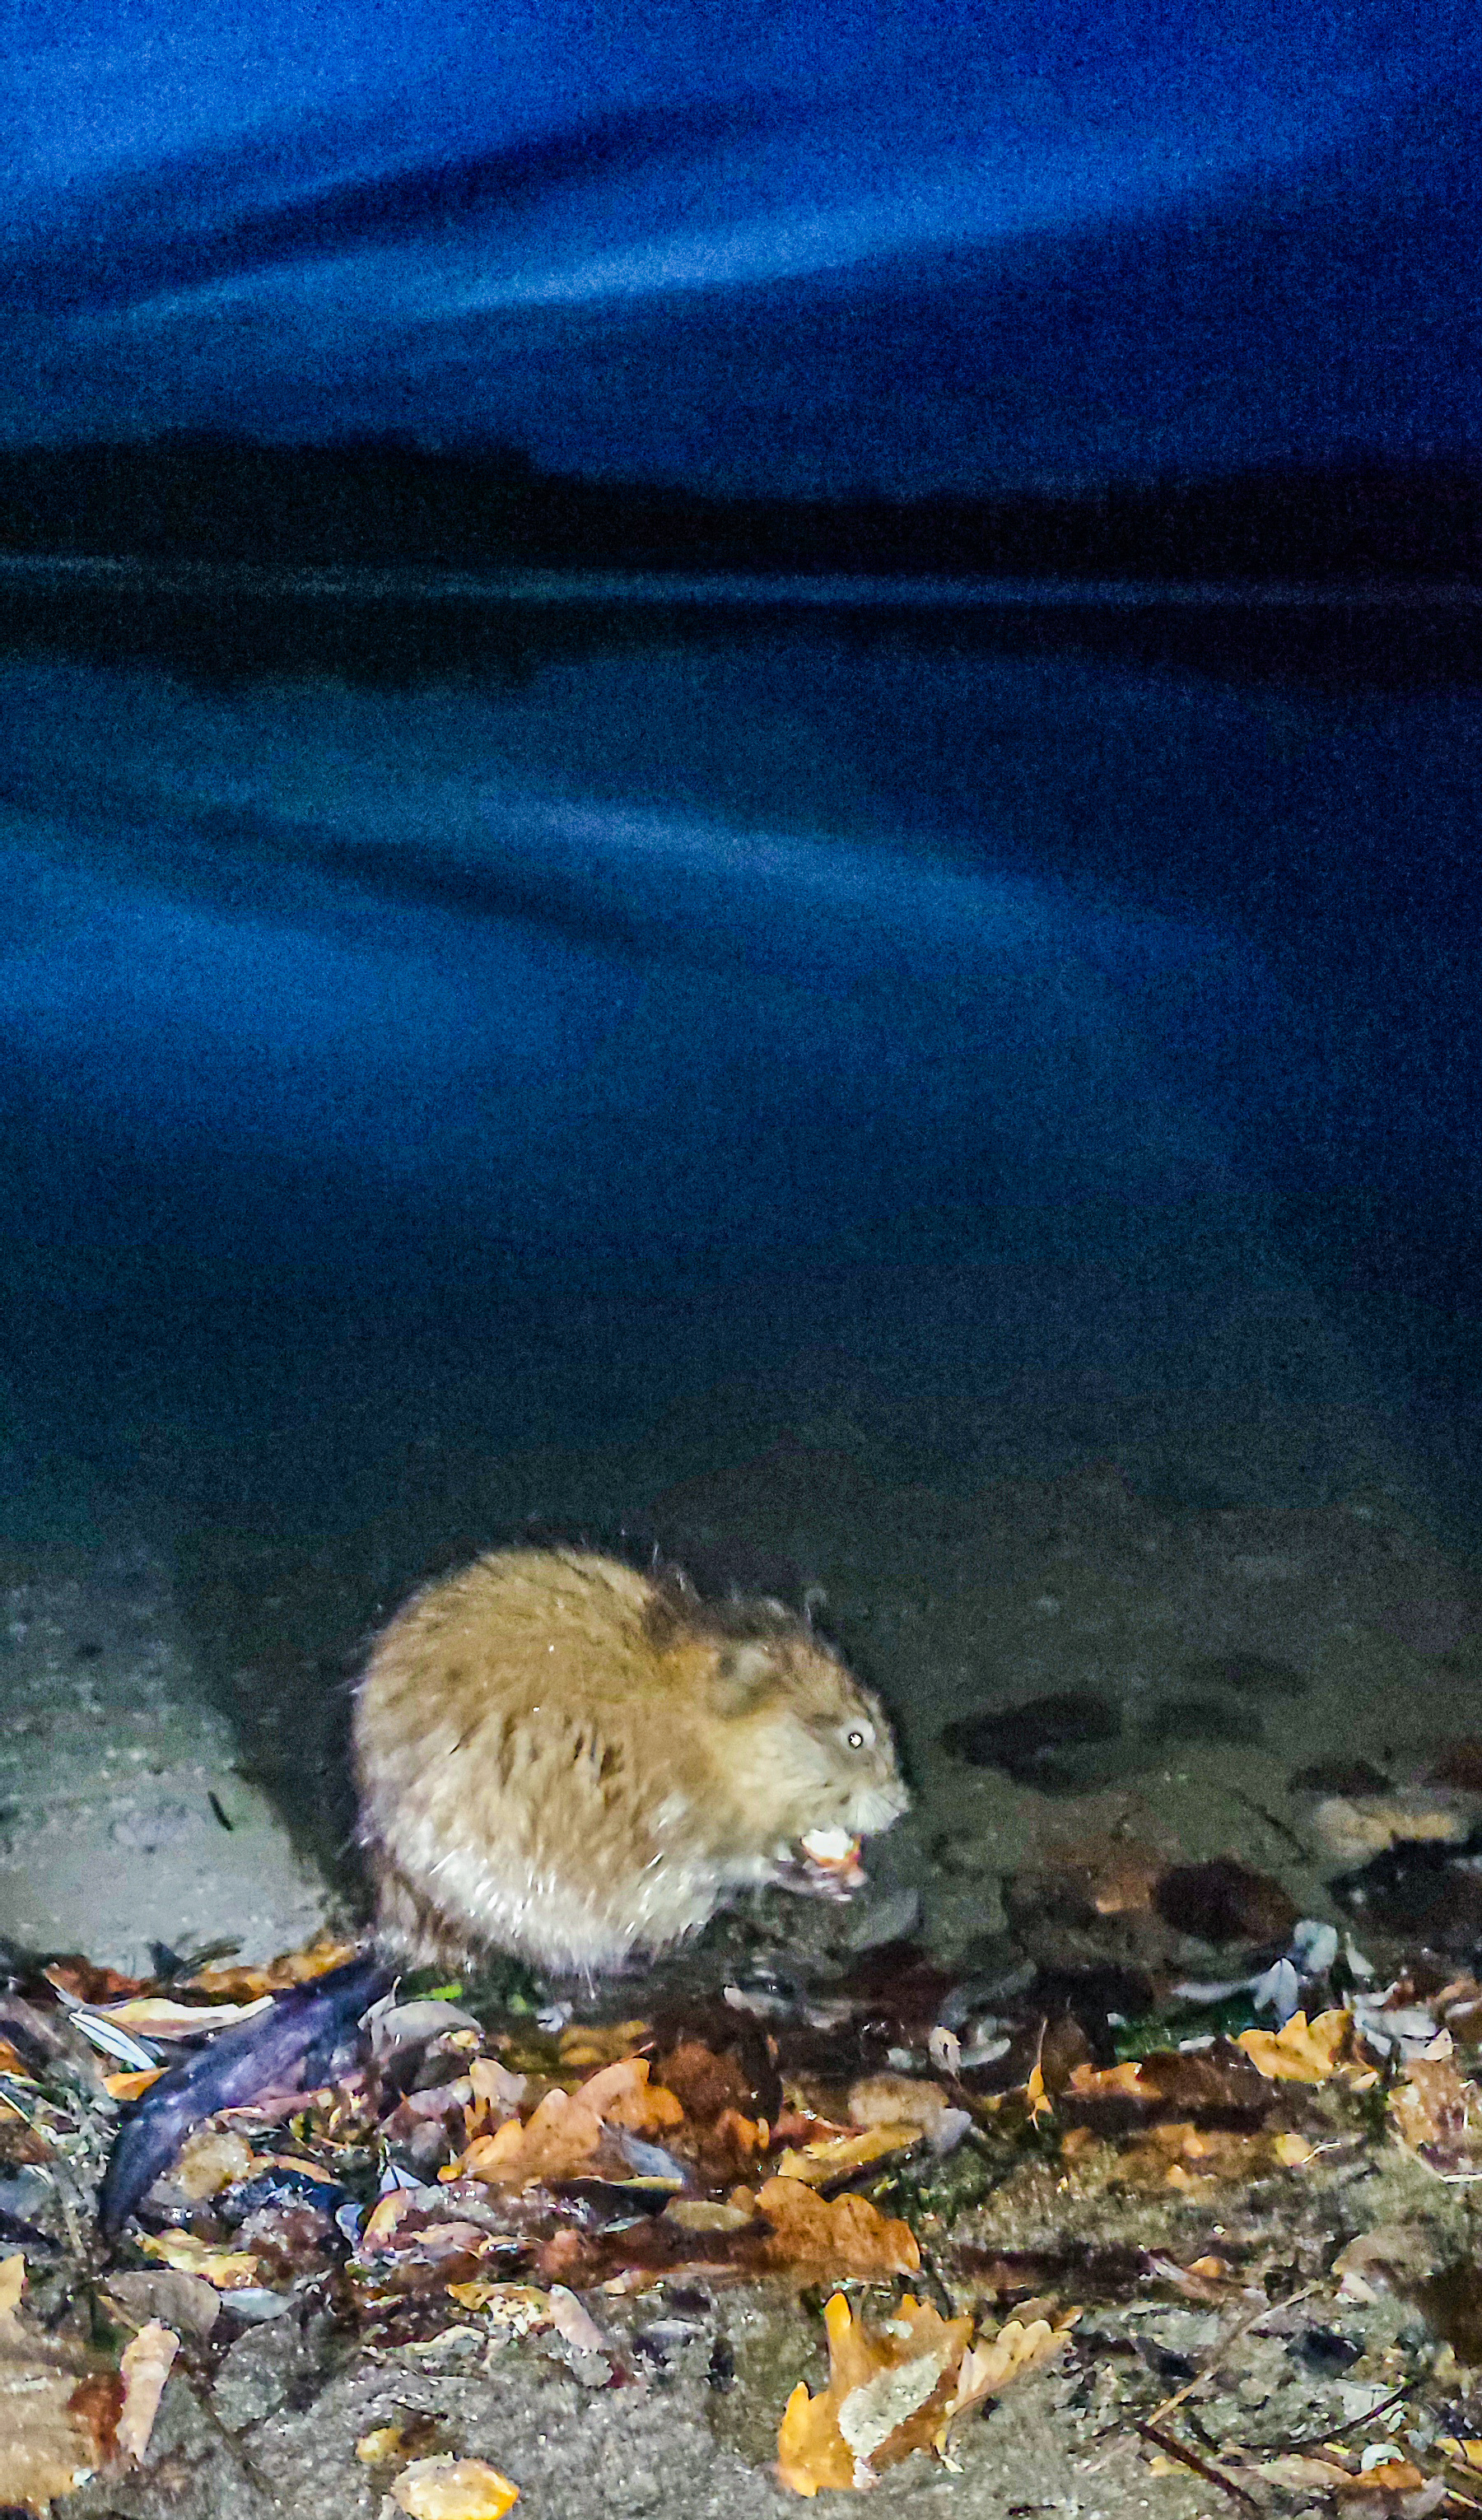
(722, 587)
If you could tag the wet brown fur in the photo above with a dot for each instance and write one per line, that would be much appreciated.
(563, 1759)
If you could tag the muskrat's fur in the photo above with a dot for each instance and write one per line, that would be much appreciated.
(565, 1760)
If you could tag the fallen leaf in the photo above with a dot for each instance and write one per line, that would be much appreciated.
(159, 2016)
(1431, 2105)
(894, 2100)
(1468, 2451)
(522, 2308)
(497, 2096)
(379, 2448)
(599, 2044)
(291, 1968)
(704, 2083)
(57, 2410)
(210, 2162)
(1391, 2474)
(816, 2163)
(621, 2095)
(228, 2269)
(1036, 2098)
(1304, 2052)
(12, 2062)
(144, 2367)
(556, 2143)
(1020, 2346)
(453, 2489)
(130, 2086)
(882, 2399)
(847, 2235)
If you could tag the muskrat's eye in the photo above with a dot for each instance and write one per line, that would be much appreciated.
(859, 1737)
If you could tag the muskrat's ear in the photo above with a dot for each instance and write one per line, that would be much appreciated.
(745, 1676)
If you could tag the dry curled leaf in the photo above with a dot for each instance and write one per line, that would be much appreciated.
(1020, 2346)
(291, 1968)
(557, 2142)
(453, 2489)
(57, 2412)
(885, 2398)
(1432, 2105)
(144, 2368)
(846, 2235)
(833, 2157)
(1309, 2051)
(228, 2269)
(622, 2096)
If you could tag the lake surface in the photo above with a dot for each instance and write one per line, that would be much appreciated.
(996, 1056)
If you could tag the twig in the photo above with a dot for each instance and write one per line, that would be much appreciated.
(1336, 2432)
(1172, 2448)
(1242, 2327)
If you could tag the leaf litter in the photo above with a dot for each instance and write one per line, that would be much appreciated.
(473, 2179)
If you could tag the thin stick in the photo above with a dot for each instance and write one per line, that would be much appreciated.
(1242, 2327)
(1186, 2457)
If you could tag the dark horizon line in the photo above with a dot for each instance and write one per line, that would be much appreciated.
(381, 499)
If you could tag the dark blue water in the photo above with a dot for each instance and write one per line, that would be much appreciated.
(687, 1032)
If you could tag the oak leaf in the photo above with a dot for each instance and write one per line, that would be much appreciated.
(847, 2235)
(884, 2397)
(1307, 2051)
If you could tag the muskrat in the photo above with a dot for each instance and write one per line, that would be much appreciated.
(565, 1760)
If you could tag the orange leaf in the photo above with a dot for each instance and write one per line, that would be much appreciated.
(622, 2096)
(848, 2236)
(886, 2394)
(556, 2143)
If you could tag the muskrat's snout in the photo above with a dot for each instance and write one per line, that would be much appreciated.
(874, 1808)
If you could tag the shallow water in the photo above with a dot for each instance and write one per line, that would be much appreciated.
(961, 1047)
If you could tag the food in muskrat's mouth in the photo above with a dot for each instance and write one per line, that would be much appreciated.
(834, 1853)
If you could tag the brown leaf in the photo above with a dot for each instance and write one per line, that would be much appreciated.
(816, 2163)
(558, 2142)
(56, 2412)
(621, 2094)
(144, 2370)
(599, 2044)
(291, 1968)
(1432, 2104)
(847, 2235)
(228, 2269)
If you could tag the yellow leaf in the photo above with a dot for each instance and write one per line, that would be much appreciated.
(130, 2086)
(816, 2163)
(1038, 2100)
(1304, 2052)
(1468, 2451)
(228, 2269)
(990, 2367)
(453, 2489)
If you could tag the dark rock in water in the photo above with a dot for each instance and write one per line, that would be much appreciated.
(1201, 1719)
(1223, 1902)
(1249, 1675)
(1340, 1776)
(1026, 1741)
(1460, 1765)
(1325, 2352)
(1418, 1890)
